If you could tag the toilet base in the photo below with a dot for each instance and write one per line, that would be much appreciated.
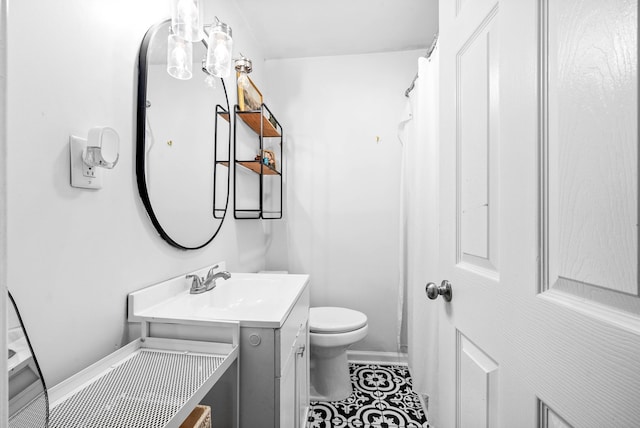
(330, 379)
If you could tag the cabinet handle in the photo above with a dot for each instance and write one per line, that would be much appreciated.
(300, 351)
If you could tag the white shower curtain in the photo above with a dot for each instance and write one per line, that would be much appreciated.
(406, 138)
(419, 222)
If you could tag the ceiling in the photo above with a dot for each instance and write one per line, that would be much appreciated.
(304, 28)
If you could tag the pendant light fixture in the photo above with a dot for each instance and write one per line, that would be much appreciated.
(219, 50)
(179, 57)
(243, 67)
(185, 30)
(209, 80)
(185, 19)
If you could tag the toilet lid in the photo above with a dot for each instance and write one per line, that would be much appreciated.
(335, 320)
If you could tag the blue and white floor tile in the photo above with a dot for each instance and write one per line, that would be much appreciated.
(382, 398)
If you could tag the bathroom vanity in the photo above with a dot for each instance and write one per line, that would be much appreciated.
(274, 370)
(272, 310)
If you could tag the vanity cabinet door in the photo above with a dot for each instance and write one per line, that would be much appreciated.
(294, 383)
(287, 335)
(302, 376)
(287, 394)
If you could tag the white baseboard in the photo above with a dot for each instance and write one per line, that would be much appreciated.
(377, 357)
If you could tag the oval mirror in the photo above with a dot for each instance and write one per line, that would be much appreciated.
(183, 143)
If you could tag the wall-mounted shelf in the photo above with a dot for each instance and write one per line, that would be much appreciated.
(268, 181)
(258, 168)
(252, 118)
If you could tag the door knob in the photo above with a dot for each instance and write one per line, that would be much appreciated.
(433, 291)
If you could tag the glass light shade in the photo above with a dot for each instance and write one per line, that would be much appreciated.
(185, 19)
(219, 51)
(243, 80)
(179, 58)
(244, 66)
(210, 81)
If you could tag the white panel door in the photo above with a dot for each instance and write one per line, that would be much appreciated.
(538, 215)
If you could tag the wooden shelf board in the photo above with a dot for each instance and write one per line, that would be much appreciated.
(225, 116)
(252, 118)
(255, 167)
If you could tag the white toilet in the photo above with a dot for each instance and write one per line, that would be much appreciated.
(331, 331)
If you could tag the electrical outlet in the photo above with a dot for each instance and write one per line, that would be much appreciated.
(82, 175)
(88, 171)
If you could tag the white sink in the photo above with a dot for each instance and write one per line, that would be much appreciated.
(255, 300)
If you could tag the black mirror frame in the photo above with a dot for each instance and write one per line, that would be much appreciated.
(141, 142)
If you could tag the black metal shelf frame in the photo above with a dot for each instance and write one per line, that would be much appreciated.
(219, 212)
(264, 125)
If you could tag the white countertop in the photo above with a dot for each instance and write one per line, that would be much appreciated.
(253, 299)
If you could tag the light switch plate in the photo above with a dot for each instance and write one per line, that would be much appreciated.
(82, 176)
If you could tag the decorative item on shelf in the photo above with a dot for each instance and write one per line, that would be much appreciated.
(200, 417)
(249, 97)
(273, 121)
(268, 158)
(252, 96)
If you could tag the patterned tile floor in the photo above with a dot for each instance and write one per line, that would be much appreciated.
(382, 398)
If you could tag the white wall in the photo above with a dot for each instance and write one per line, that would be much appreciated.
(342, 188)
(4, 384)
(74, 254)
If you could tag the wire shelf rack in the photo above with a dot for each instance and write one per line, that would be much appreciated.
(150, 383)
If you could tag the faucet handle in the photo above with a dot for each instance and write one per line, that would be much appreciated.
(196, 282)
(211, 272)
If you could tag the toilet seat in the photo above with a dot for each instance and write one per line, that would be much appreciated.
(331, 320)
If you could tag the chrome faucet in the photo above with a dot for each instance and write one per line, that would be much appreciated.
(199, 285)
(212, 275)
